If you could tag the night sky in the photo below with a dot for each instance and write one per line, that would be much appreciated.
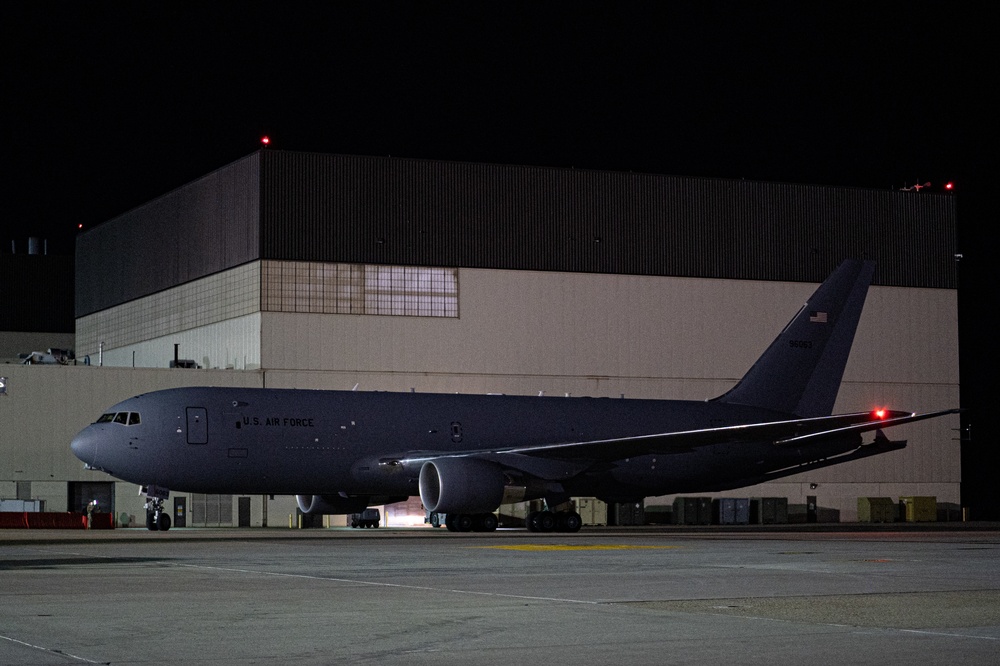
(106, 105)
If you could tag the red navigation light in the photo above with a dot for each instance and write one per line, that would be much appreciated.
(879, 413)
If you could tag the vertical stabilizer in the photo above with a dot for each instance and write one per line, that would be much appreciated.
(800, 372)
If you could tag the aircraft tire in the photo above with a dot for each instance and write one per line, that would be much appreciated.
(546, 521)
(164, 522)
(531, 521)
(485, 522)
(569, 521)
(151, 522)
(466, 521)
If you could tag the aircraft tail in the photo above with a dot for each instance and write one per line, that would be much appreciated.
(800, 372)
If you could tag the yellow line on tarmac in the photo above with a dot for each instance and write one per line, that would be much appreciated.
(547, 547)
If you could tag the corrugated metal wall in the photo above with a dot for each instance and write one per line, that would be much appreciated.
(319, 207)
(202, 228)
(381, 210)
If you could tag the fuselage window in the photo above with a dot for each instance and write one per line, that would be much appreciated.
(121, 417)
(106, 418)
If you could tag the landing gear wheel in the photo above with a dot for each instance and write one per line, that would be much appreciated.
(459, 522)
(545, 521)
(531, 521)
(569, 521)
(485, 522)
(156, 517)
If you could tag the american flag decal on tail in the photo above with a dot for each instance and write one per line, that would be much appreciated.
(817, 317)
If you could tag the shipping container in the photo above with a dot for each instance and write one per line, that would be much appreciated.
(769, 510)
(877, 510)
(918, 509)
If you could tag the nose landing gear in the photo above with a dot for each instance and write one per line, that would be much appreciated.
(157, 518)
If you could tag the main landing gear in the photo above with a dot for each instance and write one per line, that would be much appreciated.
(471, 522)
(553, 521)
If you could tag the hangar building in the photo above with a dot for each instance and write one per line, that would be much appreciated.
(305, 270)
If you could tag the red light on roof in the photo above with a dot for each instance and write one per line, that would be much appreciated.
(949, 186)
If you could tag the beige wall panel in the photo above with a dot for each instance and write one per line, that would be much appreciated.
(53, 493)
(233, 343)
(531, 323)
(617, 330)
(613, 325)
(907, 335)
(45, 406)
(645, 387)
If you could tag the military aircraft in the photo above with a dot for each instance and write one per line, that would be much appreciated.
(341, 451)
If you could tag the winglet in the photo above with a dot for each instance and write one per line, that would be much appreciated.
(800, 372)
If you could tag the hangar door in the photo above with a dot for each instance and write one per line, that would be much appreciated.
(82, 493)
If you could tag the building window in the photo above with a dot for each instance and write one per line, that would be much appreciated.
(412, 291)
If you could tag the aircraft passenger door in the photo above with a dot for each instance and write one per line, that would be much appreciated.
(197, 425)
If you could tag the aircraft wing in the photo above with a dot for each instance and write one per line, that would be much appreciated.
(863, 427)
(796, 432)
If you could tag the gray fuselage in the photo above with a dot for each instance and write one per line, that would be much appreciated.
(274, 441)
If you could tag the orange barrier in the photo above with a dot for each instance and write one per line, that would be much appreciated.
(11, 519)
(54, 521)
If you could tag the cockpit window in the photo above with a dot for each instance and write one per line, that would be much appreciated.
(125, 418)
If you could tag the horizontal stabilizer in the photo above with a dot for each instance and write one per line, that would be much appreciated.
(893, 419)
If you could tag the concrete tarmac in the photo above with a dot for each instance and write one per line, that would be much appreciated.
(423, 596)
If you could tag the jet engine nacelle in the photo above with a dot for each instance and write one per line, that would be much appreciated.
(326, 504)
(461, 485)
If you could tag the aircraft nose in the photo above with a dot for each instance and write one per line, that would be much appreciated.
(84, 446)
